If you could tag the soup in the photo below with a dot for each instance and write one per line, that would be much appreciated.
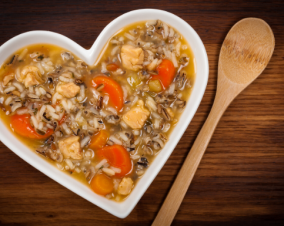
(103, 123)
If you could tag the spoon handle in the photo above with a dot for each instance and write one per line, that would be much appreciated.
(185, 176)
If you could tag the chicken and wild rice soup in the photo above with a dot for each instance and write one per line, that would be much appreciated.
(101, 123)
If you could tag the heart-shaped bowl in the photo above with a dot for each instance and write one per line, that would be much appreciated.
(119, 209)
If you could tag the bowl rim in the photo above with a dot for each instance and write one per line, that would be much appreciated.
(119, 209)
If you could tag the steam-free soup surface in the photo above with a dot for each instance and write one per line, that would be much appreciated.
(104, 123)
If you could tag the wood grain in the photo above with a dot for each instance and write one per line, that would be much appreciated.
(240, 180)
(244, 54)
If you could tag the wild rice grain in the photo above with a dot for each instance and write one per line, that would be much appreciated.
(58, 134)
(171, 33)
(23, 54)
(123, 136)
(104, 70)
(140, 172)
(22, 111)
(42, 91)
(34, 121)
(150, 103)
(166, 128)
(134, 100)
(40, 68)
(116, 170)
(85, 141)
(136, 132)
(57, 108)
(49, 126)
(15, 107)
(50, 108)
(108, 171)
(174, 59)
(65, 105)
(137, 141)
(66, 129)
(156, 124)
(18, 86)
(112, 110)
(166, 30)
(54, 116)
(125, 93)
(114, 50)
(69, 105)
(123, 124)
(40, 125)
(42, 110)
(135, 157)
(56, 97)
(101, 163)
(105, 99)
(37, 92)
(9, 89)
(159, 141)
(156, 115)
(129, 36)
(171, 88)
(115, 140)
(69, 163)
(77, 170)
(178, 48)
(8, 100)
(31, 89)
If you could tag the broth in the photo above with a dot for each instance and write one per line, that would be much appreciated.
(97, 108)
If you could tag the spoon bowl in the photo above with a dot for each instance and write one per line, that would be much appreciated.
(246, 50)
(244, 54)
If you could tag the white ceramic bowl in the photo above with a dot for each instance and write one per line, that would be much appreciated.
(89, 56)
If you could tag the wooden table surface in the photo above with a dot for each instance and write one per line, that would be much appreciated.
(240, 180)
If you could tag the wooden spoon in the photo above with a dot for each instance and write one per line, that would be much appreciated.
(245, 53)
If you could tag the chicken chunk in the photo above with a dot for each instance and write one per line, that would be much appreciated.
(8, 78)
(68, 90)
(136, 117)
(125, 186)
(132, 57)
(30, 76)
(70, 147)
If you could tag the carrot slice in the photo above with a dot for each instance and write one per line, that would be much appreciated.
(112, 88)
(118, 157)
(112, 67)
(102, 184)
(99, 140)
(21, 125)
(166, 73)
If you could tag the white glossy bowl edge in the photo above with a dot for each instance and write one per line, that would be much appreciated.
(121, 209)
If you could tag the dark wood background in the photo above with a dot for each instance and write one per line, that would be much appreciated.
(240, 180)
